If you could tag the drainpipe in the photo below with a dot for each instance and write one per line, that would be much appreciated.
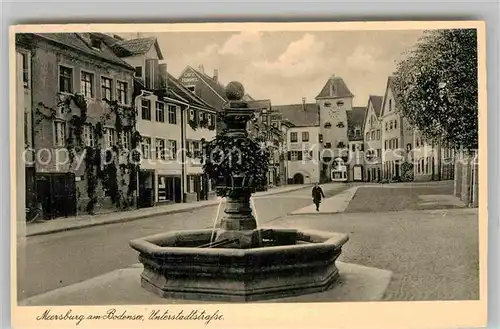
(137, 173)
(183, 154)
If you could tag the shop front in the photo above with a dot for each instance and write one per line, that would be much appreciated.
(169, 189)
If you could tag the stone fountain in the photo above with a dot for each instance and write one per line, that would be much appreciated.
(238, 261)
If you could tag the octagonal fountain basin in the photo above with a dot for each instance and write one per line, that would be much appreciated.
(179, 265)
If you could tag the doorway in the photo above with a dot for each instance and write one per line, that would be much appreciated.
(146, 189)
(298, 179)
(57, 194)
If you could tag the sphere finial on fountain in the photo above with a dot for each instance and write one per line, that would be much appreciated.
(235, 91)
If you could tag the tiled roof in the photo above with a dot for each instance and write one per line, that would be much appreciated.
(185, 93)
(259, 104)
(377, 103)
(355, 119)
(339, 88)
(76, 41)
(216, 86)
(138, 46)
(299, 116)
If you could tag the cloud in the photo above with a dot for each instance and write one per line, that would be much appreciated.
(237, 43)
(361, 59)
(303, 57)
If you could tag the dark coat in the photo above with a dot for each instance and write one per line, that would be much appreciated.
(317, 193)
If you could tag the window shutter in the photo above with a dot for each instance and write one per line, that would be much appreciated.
(289, 155)
(300, 156)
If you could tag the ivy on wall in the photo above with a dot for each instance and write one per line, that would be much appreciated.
(101, 166)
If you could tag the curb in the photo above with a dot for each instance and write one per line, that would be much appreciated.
(138, 217)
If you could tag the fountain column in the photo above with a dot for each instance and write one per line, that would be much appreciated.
(238, 223)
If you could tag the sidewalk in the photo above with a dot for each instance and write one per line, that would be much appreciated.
(333, 205)
(78, 222)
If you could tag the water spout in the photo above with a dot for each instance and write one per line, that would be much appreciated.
(215, 220)
(254, 209)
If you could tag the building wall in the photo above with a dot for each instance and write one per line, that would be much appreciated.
(392, 138)
(153, 129)
(333, 112)
(372, 135)
(46, 97)
(308, 167)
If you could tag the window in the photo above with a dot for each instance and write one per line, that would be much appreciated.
(390, 125)
(160, 148)
(367, 136)
(357, 132)
(320, 138)
(328, 125)
(87, 84)
(146, 147)
(293, 137)
(191, 115)
(354, 147)
(59, 133)
(386, 145)
(386, 126)
(25, 70)
(160, 112)
(395, 124)
(172, 114)
(328, 145)
(373, 135)
(173, 149)
(89, 135)
(121, 88)
(106, 85)
(125, 139)
(201, 116)
(65, 79)
(138, 71)
(195, 148)
(191, 88)
(294, 156)
(390, 105)
(146, 109)
(305, 136)
(210, 120)
(109, 137)
(378, 134)
(379, 153)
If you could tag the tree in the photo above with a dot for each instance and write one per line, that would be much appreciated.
(436, 87)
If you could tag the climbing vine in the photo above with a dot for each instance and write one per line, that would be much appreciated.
(101, 164)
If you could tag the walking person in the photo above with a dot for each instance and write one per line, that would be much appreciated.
(317, 194)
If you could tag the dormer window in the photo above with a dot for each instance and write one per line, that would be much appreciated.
(95, 43)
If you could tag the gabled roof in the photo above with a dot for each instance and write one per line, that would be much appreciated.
(355, 119)
(389, 85)
(216, 87)
(376, 103)
(176, 87)
(339, 89)
(298, 115)
(133, 47)
(77, 42)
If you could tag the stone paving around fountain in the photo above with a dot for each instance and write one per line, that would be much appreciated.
(122, 287)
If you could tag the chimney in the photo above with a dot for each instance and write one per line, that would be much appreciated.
(202, 70)
(216, 75)
(163, 76)
(303, 103)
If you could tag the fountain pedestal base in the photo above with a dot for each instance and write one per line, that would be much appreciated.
(175, 268)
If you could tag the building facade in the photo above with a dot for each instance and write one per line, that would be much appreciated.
(372, 132)
(300, 122)
(356, 144)
(397, 136)
(72, 78)
(334, 101)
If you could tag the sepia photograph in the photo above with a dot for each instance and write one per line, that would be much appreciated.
(171, 172)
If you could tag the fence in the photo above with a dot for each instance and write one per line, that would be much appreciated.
(466, 180)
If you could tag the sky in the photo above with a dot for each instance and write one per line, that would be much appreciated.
(286, 66)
